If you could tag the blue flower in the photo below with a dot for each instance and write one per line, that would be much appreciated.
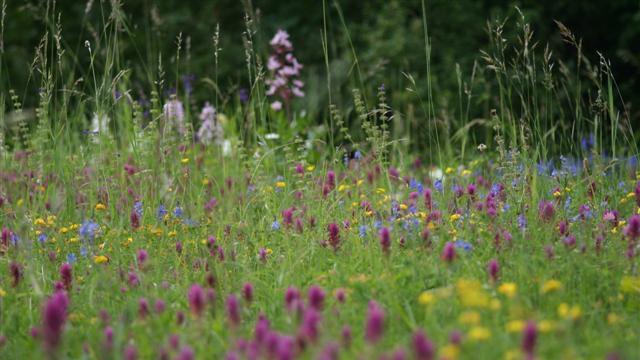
(88, 230)
(83, 251)
(363, 230)
(377, 224)
(416, 186)
(438, 185)
(522, 221)
(177, 212)
(137, 207)
(461, 244)
(162, 211)
(42, 238)
(15, 239)
(357, 155)
(71, 258)
(275, 225)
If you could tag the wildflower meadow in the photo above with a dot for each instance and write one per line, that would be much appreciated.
(154, 208)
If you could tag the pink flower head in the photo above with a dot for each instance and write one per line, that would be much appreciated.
(291, 297)
(422, 346)
(316, 297)
(632, 230)
(247, 292)
(385, 240)
(374, 326)
(448, 252)
(334, 235)
(529, 337)
(546, 210)
(233, 310)
(142, 257)
(66, 275)
(54, 316)
(493, 268)
(196, 299)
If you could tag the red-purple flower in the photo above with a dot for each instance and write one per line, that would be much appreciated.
(233, 310)
(374, 326)
(448, 252)
(334, 235)
(16, 273)
(66, 275)
(385, 240)
(291, 297)
(493, 268)
(529, 337)
(546, 210)
(422, 346)
(247, 292)
(632, 230)
(54, 316)
(316, 297)
(196, 299)
(142, 257)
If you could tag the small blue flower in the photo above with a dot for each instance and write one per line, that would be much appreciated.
(42, 238)
(363, 230)
(137, 207)
(275, 225)
(71, 258)
(522, 221)
(88, 230)
(438, 185)
(461, 244)
(177, 212)
(377, 224)
(416, 186)
(357, 155)
(162, 211)
(83, 251)
(15, 239)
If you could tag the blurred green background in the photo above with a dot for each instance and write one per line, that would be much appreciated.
(387, 37)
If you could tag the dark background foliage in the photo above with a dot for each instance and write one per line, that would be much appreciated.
(387, 36)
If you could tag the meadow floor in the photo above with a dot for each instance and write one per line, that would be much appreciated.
(187, 253)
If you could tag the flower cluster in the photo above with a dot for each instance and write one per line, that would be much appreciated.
(285, 70)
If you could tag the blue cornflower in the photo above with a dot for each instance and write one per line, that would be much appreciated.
(42, 238)
(416, 186)
(363, 230)
(137, 207)
(438, 185)
(15, 239)
(71, 258)
(522, 221)
(377, 224)
(567, 203)
(461, 244)
(357, 155)
(275, 225)
(88, 230)
(162, 211)
(177, 212)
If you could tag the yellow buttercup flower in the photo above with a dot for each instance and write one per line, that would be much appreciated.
(551, 285)
(454, 217)
(514, 326)
(100, 206)
(450, 352)
(469, 318)
(449, 170)
(545, 326)
(479, 333)
(630, 284)
(426, 298)
(40, 221)
(281, 184)
(311, 168)
(509, 289)
(100, 259)
(185, 160)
